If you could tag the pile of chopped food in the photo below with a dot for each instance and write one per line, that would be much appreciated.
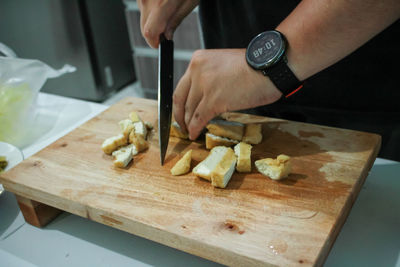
(130, 142)
(222, 161)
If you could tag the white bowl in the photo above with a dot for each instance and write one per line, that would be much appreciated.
(13, 156)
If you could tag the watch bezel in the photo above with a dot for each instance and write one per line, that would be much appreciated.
(273, 60)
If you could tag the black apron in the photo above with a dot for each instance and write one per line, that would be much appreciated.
(360, 92)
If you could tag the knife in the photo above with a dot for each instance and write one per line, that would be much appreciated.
(165, 90)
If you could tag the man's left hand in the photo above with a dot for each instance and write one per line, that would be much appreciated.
(218, 81)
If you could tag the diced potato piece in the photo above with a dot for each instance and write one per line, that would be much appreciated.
(176, 131)
(140, 129)
(134, 117)
(124, 155)
(218, 167)
(111, 144)
(243, 154)
(126, 127)
(213, 141)
(276, 169)
(228, 129)
(138, 141)
(183, 165)
(252, 133)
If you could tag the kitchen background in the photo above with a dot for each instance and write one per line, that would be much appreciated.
(101, 38)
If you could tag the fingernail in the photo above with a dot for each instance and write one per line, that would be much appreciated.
(192, 136)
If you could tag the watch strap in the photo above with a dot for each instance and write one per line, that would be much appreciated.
(283, 78)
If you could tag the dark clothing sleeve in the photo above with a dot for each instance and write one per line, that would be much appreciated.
(360, 92)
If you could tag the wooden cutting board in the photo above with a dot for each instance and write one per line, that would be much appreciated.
(254, 221)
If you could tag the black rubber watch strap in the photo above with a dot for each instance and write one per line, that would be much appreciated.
(283, 78)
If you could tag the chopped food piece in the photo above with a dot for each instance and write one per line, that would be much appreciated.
(176, 131)
(134, 117)
(218, 167)
(243, 154)
(140, 129)
(138, 141)
(252, 134)
(126, 127)
(183, 165)
(229, 129)
(276, 169)
(213, 141)
(124, 155)
(111, 144)
(3, 163)
(149, 126)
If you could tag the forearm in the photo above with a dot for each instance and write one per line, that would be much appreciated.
(321, 32)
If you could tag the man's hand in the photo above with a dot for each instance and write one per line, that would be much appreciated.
(217, 81)
(162, 16)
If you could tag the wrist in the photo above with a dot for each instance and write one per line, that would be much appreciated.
(266, 90)
(294, 59)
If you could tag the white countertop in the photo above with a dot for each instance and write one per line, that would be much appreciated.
(370, 236)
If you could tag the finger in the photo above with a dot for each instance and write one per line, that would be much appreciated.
(192, 101)
(140, 4)
(144, 13)
(156, 24)
(179, 97)
(176, 19)
(202, 115)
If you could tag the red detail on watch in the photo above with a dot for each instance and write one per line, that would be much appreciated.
(294, 91)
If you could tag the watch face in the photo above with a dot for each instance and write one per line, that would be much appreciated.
(265, 49)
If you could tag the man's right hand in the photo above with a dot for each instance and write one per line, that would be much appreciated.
(162, 16)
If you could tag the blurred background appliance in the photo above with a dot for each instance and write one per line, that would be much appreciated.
(91, 35)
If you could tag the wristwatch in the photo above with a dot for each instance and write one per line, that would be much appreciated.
(266, 52)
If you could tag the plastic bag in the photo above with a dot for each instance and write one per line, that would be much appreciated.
(20, 83)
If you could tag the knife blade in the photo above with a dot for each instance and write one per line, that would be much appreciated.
(165, 91)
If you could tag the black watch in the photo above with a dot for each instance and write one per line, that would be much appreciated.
(266, 52)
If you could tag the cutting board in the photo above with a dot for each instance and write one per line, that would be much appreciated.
(254, 221)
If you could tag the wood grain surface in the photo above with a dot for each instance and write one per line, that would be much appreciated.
(255, 221)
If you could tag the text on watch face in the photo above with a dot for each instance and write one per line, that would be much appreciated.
(265, 48)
